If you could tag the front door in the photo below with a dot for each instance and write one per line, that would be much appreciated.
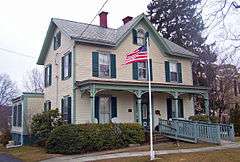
(145, 115)
(104, 109)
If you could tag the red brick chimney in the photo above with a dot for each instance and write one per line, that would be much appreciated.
(103, 19)
(127, 19)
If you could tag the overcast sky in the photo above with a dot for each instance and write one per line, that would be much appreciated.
(24, 23)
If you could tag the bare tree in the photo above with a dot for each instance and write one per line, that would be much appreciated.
(34, 81)
(8, 90)
(223, 95)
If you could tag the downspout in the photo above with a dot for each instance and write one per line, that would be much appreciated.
(73, 83)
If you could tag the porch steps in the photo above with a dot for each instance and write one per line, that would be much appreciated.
(159, 138)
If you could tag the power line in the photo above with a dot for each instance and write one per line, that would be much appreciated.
(16, 53)
(94, 18)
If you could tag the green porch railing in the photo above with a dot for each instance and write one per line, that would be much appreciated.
(192, 131)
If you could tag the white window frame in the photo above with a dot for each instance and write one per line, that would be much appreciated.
(140, 36)
(173, 70)
(144, 68)
(110, 108)
(65, 108)
(65, 67)
(99, 65)
(47, 77)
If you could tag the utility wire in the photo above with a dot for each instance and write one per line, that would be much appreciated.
(93, 18)
(16, 53)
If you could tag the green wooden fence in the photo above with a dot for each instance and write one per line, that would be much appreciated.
(192, 131)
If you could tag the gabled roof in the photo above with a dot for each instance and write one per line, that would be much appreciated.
(108, 37)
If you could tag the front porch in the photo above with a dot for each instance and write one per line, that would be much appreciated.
(169, 101)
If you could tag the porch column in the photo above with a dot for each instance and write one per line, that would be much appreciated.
(92, 103)
(206, 103)
(176, 104)
(139, 105)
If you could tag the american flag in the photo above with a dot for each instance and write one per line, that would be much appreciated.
(138, 55)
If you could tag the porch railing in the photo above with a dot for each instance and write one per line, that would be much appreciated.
(196, 131)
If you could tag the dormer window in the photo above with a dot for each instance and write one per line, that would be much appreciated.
(140, 37)
(57, 40)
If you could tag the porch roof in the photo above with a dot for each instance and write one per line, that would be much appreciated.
(139, 87)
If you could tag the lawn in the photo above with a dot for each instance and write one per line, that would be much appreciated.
(229, 155)
(27, 153)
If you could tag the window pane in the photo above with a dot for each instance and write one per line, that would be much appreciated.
(104, 65)
(173, 67)
(173, 76)
(104, 110)
(142, 70)
(140, 37)
(65, 68)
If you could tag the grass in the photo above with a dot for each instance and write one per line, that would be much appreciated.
(232, 155)
(27, 153)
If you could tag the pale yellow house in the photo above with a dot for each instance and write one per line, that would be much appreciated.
(86, 81)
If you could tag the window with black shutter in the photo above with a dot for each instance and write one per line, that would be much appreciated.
(48, 75)
(66, 109)
(57, 40)
(66, 66)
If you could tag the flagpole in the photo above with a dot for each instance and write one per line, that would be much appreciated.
(150, 102)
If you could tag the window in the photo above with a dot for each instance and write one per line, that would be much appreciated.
(66, 108)
(142, 70)
(66, 66)
(173, 72)
(104, 65)
(47, 105)
(104, 109)
(17, 115)
(48, 75)
(145, 111)
(57, 41)
(140, 37)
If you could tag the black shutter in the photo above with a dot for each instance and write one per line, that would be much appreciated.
(169, 108)
(151, 74)
(180, 108)
(69, 64)
(179, 70)
(69, 100)
(95, 64)
(62, 69)
(19, 123)
(54, 43)
(114, 107)
(45, 76)
(96, 108)
(167, 71)
(50, 74)
(113, 65)
(135, 71)
(14, 115)
(134, 35)
(59, 39)
(62, 106)
(45, 106)
(49, 105)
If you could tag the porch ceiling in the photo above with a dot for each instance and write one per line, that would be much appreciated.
(138, 87)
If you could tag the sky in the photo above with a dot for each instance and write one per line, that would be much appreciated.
(24, 23)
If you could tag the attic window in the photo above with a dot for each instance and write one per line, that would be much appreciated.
(57, 40)
(140, 37)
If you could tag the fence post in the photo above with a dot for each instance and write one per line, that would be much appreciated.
(232, 133)
(195, 132)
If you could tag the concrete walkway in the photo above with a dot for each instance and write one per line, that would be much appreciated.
(99, 156)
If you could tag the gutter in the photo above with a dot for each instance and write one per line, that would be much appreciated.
(74, 83)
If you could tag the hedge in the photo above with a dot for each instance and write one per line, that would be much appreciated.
(82, 138)
(204, 118)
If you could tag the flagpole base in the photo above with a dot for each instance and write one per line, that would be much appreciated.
(152, 155)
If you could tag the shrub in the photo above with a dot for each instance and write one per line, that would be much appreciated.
(204, 118)
(235, 119)
(71, 139)
(43, 124)
(5, 137)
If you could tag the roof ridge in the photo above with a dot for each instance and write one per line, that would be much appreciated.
(83, 23)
